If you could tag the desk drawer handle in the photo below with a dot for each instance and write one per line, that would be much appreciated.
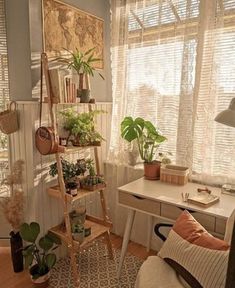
(190, 211)
(138, 197)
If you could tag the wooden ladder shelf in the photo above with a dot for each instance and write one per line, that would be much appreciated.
(99, 227)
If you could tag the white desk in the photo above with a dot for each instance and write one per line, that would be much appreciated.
(162, 200)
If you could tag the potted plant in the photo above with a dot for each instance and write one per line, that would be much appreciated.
(71, 171)
(82, 127)
(92, 181)
(148, 140)
(38, 255)
(78, 232)
(82, 64)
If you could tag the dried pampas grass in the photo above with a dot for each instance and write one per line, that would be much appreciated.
(13, 205)
(13, 208)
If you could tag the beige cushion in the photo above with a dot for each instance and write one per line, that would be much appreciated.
(156, 273)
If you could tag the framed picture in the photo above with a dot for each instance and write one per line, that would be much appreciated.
(66, 27)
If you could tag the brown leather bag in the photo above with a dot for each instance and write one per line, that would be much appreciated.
(45, 139)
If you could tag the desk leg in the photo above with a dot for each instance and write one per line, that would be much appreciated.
(129, 224)
(149, 236)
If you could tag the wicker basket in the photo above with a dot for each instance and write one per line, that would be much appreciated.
(174, 174)
(8, 119)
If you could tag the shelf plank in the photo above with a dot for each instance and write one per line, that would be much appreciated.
(55, 192)
(97, 230)
(74, 149)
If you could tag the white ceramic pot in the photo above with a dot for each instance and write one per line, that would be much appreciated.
(42, 281)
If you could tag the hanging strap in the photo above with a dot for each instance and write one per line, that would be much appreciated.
(45, 72)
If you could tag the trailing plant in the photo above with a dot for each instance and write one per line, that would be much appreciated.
(145, 133)
(82, 126)
(81, 62)
(38, 253)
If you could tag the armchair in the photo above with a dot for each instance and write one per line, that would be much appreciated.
(156, 273)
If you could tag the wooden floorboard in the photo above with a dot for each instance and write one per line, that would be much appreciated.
(9, 279)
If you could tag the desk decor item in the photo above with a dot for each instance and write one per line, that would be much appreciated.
(8, 119)
(148, 138)
(174, 174)
(203, 199)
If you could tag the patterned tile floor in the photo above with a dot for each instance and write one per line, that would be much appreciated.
(97, 270)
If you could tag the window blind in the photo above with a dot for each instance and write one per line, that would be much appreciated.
(4, 90)
(172, 63)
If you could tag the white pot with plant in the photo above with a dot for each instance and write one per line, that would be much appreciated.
(82, 63)
(148, 139)
(38, 254)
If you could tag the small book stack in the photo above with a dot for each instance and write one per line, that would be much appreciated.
(63, 86)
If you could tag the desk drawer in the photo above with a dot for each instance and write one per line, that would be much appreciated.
(142, 204)
(172, 212)
(220, 226)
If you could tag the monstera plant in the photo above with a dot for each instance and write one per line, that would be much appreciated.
(38, 254)
(148, 139)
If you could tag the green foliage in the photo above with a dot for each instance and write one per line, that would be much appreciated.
(147, 136)
(38, 253)
(72, 170)
(81, 62)
(82, 125)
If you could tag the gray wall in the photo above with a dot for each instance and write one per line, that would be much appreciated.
(17, 20)
(25, 42)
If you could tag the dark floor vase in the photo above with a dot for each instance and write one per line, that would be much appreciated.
(16, 252)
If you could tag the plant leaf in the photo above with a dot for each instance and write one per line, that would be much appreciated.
(30, 232)
(45, 243)
(50, 260)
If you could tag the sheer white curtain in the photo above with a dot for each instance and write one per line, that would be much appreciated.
(173, 63)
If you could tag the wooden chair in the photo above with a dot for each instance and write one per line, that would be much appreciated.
(156, 273)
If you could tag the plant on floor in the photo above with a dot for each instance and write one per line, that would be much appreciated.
(148, 139)
(82, 127)
(38, 254)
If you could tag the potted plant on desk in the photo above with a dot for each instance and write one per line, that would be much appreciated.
(38, 255)
(148, 140)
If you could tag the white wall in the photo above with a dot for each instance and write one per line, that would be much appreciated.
(25, 42)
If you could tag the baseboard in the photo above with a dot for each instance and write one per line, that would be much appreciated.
(4, 242)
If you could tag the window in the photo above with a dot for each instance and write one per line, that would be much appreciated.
(173, 63)
(4, 91)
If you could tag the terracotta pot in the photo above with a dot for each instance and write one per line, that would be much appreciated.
(152, 170)
(42, 281)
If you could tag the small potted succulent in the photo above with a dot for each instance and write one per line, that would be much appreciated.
(78, 232)
(82, 63)
(92, 181)
(81, 126)
(38, 254)
(148, 140)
